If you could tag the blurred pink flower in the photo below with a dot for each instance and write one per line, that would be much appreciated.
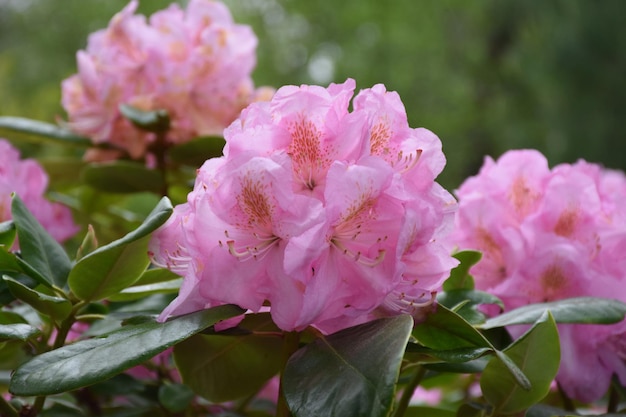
(331, 217)
(194, 63)
(549, 234)
(27, 179)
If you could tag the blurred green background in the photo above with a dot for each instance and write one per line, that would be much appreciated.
(485, 76)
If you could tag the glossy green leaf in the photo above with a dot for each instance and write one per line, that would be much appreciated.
(19, 127)
(8, 261)
(175, 397)
(123, 177)
(156, 275)
(460, 279)
(571, 310)
(19, 331)
(198, 150)
(7, 234)
(113, 267)
(446, 330)
(89, 361)
(39, 250)
(453, 298)
(452, 355)
(423, 411)
(56, 307)
(224, 368)
(350, 373)
(537, 355)
(471, 367)
(157, 121)
(140, 291)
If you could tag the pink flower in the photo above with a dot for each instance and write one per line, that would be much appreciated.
(28, 180)
(548, 235)
(316, 211)
(194, 63)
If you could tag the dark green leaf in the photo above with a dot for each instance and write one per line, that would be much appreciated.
(446, 330)
(543, 410)
(8, 261)
(571, 310)
(89, 361)
(123, 177)
(19, 331)
(460, 279)
(452, 355)
(175, 397)
(7, 234)
(471, 367)
(453, 298)
(350, 373)
(156, 275)
(423, 411)
(157, 121)
(113, 267)
(20, 127)
(197, 151)
(56, 307)
(140, 291)
(223, 368)
(537, 355)
(39, 250)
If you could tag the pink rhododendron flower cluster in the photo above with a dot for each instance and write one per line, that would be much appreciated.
(194, 63)
(549, 234)
(331, 217)
(28, 180)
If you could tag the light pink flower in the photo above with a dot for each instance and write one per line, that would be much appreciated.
(316, 212)
(548, 235)
(27, 179)
(194, 63)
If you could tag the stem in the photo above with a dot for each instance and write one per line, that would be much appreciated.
(403, 404)
(290, 345)
(37, 406)
(613, 400)
(568, 404)
(7, 409)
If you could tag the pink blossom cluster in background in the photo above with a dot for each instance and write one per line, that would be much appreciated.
(549, 234)
(28, 180)
(330, 216)
(194, 63)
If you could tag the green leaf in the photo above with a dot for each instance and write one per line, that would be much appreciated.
(18, 127)
(224, 368)
(8, 261)
(452, 355)
(537, 355)
(571, 310)
(19, 331)
(39, 250)
(453, 298)
(157, 121)
(350, 373)
(115, 266)
(460, 279)
(140, 291)
(423, 411)
(156, 275)
(7, 234)
(56, 307)
(198, 150)
(446, 330)
(175, 397)
(93, 360)
(123, 177)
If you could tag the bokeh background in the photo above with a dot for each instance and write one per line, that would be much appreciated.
(485, 76)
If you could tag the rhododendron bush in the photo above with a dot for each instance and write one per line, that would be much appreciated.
(210, 248)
